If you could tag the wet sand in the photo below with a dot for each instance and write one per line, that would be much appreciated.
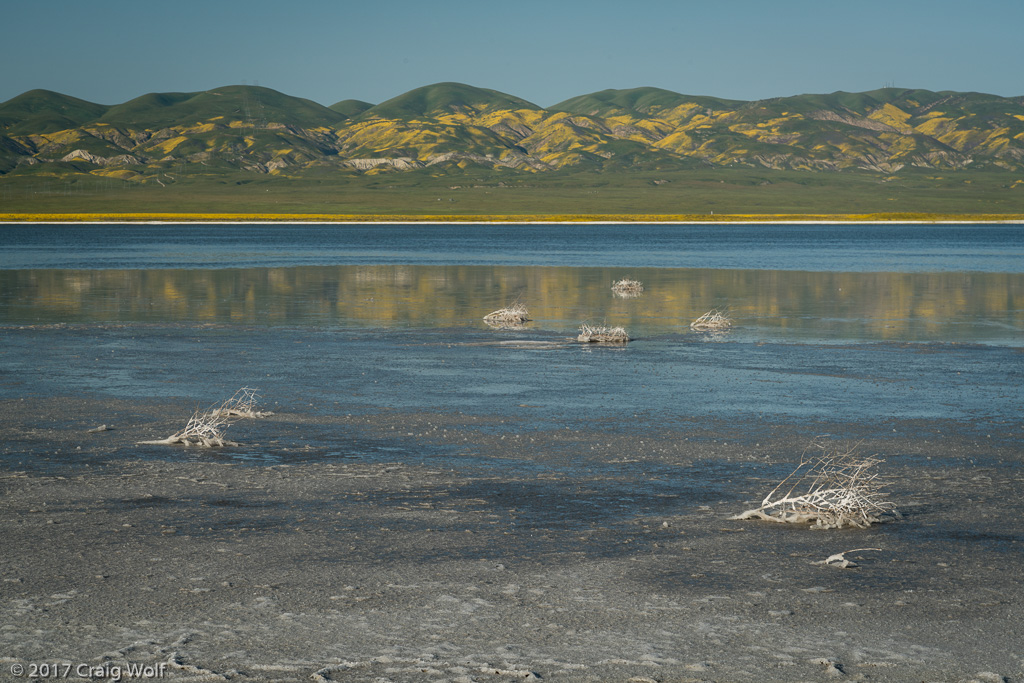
(600, 551)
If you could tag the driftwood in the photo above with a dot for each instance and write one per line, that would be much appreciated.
(627, 289)
(830, 490)
(513, 315)
(602, 334)
(839, 559)
(712, 321)
(207, 428)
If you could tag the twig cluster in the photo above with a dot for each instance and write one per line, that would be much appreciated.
(830, 490)
(627, 288)
(207, 428)
(512, 315)
(603, 334)
(713, 320)
(242, 404)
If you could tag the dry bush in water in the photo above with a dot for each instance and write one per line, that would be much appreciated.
(712, 321)
(207, 428)
(242, 404)
(627, 289)
(602, 334)
(513, 315)
(829, 489)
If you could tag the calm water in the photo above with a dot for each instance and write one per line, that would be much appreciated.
(805, 282)
(765, 304)
(837, 248)
(867, 324)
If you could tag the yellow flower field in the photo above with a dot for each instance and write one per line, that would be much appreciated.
(502, 218)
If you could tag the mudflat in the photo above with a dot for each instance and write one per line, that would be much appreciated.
(396, 544)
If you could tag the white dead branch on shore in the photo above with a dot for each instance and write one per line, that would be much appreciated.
(712, 321)
(512, 315)
(830, 490)
(627, 289)
(203, 429)
(603, 334)
(207, 428)
(839, 559)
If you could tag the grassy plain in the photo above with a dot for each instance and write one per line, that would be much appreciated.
(714, 194)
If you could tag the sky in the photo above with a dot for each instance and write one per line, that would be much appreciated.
(110, 51)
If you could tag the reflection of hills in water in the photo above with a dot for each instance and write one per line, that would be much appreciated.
(897, 306)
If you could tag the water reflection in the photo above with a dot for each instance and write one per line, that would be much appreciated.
(946, 306)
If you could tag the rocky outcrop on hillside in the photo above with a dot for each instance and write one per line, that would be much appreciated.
(400, 163)
(856, 121)
(119, 160)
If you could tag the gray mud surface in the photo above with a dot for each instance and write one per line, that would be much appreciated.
(436, 545)
(461, 505)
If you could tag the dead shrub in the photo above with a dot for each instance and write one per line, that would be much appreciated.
(627, 289)
(712, 321)
(206, 428)
(829, 489)
(512, 315)
(602, 334)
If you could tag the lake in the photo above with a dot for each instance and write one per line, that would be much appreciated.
(838, 248)
(866, 324)
(436, 499)
(824, 283)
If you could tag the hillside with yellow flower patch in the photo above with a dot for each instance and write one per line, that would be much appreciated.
(258, 131)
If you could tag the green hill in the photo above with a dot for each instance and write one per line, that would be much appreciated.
(446, 98)
(454, 127)
(350, 108)
(243, 103)
(44, 111)
(636, 102)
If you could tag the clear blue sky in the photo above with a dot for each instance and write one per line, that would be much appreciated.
(109, 51)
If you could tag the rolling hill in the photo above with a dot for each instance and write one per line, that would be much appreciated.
(45, 111)
(256, 130)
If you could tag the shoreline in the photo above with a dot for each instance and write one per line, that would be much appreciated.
(504, 219)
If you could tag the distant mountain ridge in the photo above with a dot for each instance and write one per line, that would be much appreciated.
(259, 130)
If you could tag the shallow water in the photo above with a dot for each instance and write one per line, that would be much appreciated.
(812, 341)
(816, 306)
(837, 248)
(323, 372)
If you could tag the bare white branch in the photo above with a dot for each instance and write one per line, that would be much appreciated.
(839, 559)
(602, 334)
(829, 489)
(242, 404)
(514, 315)
(206, 428)
(627, 289)
(712, 321)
